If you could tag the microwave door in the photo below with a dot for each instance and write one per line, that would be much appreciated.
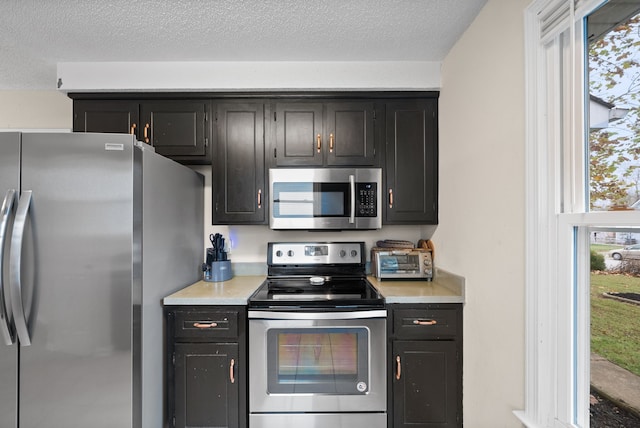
(325, 199)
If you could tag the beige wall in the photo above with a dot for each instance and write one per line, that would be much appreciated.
(482, 220)
(35, 109)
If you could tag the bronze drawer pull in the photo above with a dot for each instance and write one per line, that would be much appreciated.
(425, 322)
(398, 367)
(259, 198)
(205, 325)
(390, 198)
(146, 133)
(330, 143)
(319, 143)
(231, 365)
(133, 129)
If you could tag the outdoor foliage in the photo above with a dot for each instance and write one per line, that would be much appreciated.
(629, 267)
(597, 261)
(614, 76)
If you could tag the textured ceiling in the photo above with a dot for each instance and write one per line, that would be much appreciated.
(35, 35)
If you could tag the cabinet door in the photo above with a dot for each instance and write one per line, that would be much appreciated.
(411, 160)
(105, 116)
(177, 129)
(349, 133)
(299, 138)
(238, 174)
(206, 385)
(425, 384)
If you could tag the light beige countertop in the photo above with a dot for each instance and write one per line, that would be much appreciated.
(235, 291)
(445, 288)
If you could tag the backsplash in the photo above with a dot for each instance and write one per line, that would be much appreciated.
(248, 244)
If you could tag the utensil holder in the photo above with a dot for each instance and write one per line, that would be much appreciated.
(218, 271)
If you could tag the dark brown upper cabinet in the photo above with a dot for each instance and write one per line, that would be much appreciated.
(320, 134)
(178, 129)
(410, 168)
(239, 191)
(112, 116)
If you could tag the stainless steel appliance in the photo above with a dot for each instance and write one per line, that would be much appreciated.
(317, 340)
(325, 198)
(414, 263)
(95, 231)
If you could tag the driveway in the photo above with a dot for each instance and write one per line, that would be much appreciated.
(610, 263)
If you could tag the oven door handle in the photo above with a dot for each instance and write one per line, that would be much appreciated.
(352, 189)
(277, 315)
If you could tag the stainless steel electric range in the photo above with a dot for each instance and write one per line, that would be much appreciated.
(317, 340)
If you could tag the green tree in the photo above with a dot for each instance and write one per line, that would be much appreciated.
(614, 152)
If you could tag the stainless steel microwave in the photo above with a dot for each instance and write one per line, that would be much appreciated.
(325, 198)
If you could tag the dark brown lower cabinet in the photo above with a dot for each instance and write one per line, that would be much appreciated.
(206, 367)
(205, 388)
(426, 358)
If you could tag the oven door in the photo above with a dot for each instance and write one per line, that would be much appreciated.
(317, 362)
(326, 198)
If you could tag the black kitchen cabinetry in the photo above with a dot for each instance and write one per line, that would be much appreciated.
(411, 162)
(113, 116)
(177, 129)
(397, 131)
(239, 191)
(316, 134)
(425, 355)
(206, 367)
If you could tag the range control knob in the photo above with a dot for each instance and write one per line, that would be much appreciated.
(343, 253)
(290, 253)
(354, 253)
(278, 253)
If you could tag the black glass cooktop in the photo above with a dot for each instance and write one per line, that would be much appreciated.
(316, 292)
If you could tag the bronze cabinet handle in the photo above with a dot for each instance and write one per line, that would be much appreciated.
(133, 129)
(398, 368)
(425, 322)
(259, 198)
(318, 143)
(146, 132)
(390, 198)
(231, 366)
(205, 325)
(331, 143)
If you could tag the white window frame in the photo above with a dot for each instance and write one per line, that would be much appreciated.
(557, 366)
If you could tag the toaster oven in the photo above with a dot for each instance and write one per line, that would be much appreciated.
(414, 263)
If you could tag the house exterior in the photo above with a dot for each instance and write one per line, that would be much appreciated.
(481, 234)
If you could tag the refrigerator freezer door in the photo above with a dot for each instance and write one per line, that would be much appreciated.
(76, 279)
(9, 179)
(173, 250)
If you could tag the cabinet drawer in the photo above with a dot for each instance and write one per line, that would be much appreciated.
(206, 324)
(425, 323)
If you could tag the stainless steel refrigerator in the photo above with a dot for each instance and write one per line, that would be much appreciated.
(95, 230)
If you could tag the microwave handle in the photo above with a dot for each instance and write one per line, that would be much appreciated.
(352, 188)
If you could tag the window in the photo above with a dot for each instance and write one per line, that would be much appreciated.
(559, 218)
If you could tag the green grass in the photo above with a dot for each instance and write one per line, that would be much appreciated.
(603, 248)
(615, 326)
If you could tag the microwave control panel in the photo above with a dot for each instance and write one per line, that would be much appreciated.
(367, 201)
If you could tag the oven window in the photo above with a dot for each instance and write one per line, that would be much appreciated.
(301, 200)
(319, 360)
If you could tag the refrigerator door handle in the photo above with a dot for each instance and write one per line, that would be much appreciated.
(15, 262)
(5, 316)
